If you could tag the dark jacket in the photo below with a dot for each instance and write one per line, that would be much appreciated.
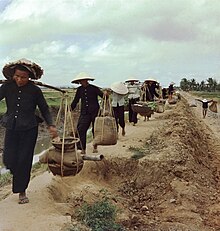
(89, 99)
(21, 106)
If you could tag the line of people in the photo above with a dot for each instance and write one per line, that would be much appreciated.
(23, 97)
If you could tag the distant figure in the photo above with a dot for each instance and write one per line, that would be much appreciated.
(205, 103)
(171, 90)
(119, 90)
(133, 97)
(149, 90)
(164, 93)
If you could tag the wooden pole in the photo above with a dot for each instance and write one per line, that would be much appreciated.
(36, 83)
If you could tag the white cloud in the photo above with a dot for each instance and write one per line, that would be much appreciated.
(113, 39)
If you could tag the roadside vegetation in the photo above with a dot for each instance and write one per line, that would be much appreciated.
(208, 85)
(208, 88)
(208, 95)
(101, 215)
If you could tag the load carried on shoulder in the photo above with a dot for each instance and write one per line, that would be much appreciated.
(70, 163)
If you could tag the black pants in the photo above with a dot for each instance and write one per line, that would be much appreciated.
(18, 156)
(119, 116)
(83, 125)
(131, 114)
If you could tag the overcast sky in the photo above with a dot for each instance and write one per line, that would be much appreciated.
(113, 40)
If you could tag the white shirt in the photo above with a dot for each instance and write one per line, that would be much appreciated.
(133, 91)
(117, 100)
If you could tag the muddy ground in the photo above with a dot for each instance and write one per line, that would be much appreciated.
(174, 186)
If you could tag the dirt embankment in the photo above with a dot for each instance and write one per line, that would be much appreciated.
(175, 186)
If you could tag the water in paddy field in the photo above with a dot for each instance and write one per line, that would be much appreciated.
(41, 145)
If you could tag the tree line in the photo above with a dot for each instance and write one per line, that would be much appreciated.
(210, 85)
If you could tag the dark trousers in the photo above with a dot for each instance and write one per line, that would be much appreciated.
(18, 156)
(119, 116)
(83, 125)
(131, 114)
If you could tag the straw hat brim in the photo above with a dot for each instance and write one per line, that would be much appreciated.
(119, 88)
(151, 80)
(77, 80)
(35, 70)
(132, 80)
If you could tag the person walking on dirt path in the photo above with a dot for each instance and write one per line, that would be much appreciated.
(22, 97)
(134, 93)
(88, 95)
(171, 90)
(119, 90)
(205, 103)
(149, 92)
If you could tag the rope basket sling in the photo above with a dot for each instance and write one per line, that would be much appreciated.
(63, 158)
(105, 129)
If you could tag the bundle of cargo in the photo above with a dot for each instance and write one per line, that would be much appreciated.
(145, 109)
(105, 128)
(173, 100)
(63, 158)
(160, 106)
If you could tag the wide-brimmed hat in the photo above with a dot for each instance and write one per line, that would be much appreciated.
(132, 80)
(82, 76)
(150, 80)
(172, 83)
(35, 70)
(205, 100)
(119, 88)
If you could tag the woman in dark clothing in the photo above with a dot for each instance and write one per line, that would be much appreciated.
(88, 95)
(164, 93)
(22, 97)
(149, 89)
(133, 97)
(171, 90)
(152, 88)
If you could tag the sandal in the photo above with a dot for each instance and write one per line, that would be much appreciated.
(23, 200)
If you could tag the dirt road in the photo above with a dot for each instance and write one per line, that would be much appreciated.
(174, 186)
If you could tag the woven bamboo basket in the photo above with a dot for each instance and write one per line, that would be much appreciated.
(76, 161)
(69, 143)
(55, 168)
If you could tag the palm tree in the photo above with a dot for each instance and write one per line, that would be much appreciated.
(202, 85)
(184, 84)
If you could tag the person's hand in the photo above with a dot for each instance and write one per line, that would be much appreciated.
(106, 93)
(53, 131)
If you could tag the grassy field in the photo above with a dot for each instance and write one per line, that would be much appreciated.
(207, 95)
(53, 98)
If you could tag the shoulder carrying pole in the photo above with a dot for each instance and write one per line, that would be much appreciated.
(36, 83)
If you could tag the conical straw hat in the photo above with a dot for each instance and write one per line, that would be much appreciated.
(132, 80)
(82, 76)
(35, 70)
(119, 88)
(150, 80)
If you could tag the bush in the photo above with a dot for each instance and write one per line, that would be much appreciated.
(100, 215)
